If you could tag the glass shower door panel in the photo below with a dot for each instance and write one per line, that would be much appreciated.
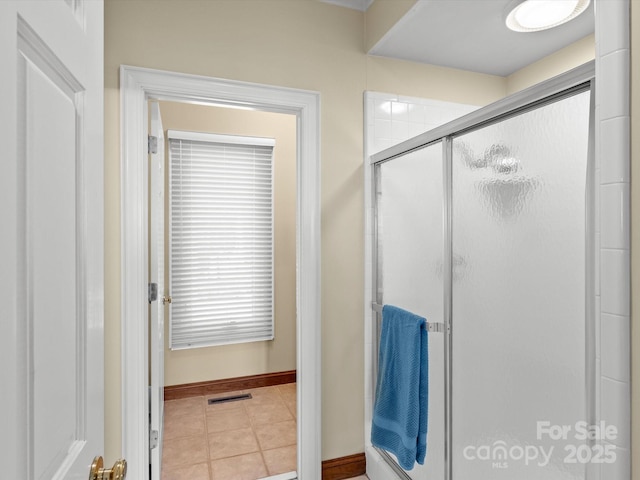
(410, 268)
(518, 325)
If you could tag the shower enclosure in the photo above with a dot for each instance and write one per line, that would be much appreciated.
(485, 225)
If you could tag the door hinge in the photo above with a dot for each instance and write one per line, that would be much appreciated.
(152, 144)
(153, 292)
(153, 439)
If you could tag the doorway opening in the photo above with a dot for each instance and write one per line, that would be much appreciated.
(138, 87)
(228, 261)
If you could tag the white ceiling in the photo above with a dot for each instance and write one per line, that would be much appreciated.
(470, 35)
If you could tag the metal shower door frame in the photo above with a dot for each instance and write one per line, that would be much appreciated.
(575, 81)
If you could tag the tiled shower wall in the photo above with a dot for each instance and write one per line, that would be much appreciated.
(391, 119)
(613, 297)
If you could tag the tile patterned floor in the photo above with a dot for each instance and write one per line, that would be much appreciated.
(244, 440)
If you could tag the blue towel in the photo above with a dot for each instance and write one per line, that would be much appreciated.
(402, 393)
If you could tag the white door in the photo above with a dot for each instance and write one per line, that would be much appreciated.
(51, 240)
(156, 263)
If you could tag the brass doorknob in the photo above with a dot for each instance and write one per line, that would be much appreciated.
(118, 472)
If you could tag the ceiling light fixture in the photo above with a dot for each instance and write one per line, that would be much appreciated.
(536, 15)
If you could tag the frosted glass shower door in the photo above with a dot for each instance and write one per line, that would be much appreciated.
(410, 257)
(518, 298)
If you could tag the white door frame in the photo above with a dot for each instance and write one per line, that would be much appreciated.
(137, 86)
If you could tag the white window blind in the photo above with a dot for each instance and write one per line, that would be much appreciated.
(221, 239)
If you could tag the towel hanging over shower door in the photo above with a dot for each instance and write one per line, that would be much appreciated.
(401, 402)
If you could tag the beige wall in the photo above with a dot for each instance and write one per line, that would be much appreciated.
(429, 81)
(572, 56)
(212, 363)
(304, 44)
